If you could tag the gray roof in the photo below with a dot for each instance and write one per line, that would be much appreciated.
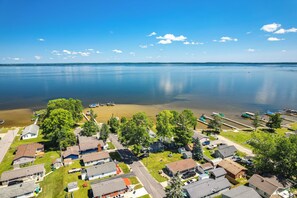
(218, 172)
(33, 128)
(227, 151)
(108, 187)
(241, 192)
(72, 185)
(206, 187)
(100, 169)
(18, 189)
(199, 135)
(88, 143)
(22, 172)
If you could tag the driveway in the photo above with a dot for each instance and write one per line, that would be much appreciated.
(238, 146)
(154, 188)
(6, 141)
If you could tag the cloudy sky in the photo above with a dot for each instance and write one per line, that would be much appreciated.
(58, 31)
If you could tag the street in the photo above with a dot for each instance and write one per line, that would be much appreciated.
(239, 147)
(6, 142)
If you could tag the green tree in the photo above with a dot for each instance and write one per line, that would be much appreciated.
(114, 124)
(197, 150)
(89, 128)
(123, 120)
(74, 106)
(256, 121)
(183, 134)
(165, 124)
(275, 121)
(104, 132)
(93, 115)
(175, 187)
(189, 118)
(65, 139)
(215, 123)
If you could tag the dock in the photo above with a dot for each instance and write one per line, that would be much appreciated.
(234, 121)
(288, 119)
(86, 117)
(228, 125)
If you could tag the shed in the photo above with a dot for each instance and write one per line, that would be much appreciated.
(72, 186)
(187, 155)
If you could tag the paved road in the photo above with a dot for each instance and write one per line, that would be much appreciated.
(239, 147)
(150, 184)
(6, 142)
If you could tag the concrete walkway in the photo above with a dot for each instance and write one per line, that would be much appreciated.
(6, 142)
(238, 146)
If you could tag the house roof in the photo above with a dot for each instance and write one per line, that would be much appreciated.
(218, 172)
(18, 190)
(199, 135)
(206, 187)
(95, 156)
(33, 128)
(107, 187)
(187, 153)
(27, 150)
(22, 172)
(181, 165)
(100, 169)
(88, 143)
(206, 166)
(72, 185)
(71, 150)
(226, 151)
(231, 166)
(268, 184)
(241, 192)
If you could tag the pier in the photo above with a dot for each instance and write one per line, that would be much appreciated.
(234, 121)
(228, 125)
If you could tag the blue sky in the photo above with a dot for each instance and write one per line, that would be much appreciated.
(39, 31)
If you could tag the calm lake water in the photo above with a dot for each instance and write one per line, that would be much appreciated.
(226, 87)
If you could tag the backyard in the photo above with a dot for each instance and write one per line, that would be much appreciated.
(240, 137)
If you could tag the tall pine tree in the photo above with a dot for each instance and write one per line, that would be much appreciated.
(197, 150)
(175, 187)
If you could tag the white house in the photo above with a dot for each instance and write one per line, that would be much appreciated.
(96, 158)
(99, 171)
(30, 132)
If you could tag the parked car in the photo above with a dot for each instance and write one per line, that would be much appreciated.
(205, 143)
(236, 158)
(211, 146)
(188, 175)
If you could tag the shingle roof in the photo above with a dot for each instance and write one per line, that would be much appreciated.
(95, 156)
(72, 150)
(206, 166)
(181, 165)
(33, 128)
(108, 187)
(22, 172)
(100, 169)
(231, 166)
(218, 172)
(241, 192)
(27, 150)
(227, 151)
(267, 184)
(87, 143)
(18, 189)
(207, 187)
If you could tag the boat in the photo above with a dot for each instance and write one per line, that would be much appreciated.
(219, 114)
(93, 105)
(202, 118)
(110, 104)
(290, 111)
(247, 115)
(269, 113)
(2, 122)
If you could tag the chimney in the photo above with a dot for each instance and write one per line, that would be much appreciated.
(99, 148)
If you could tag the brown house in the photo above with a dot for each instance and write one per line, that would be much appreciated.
(27, 153)
(233, 169)
(181, 166)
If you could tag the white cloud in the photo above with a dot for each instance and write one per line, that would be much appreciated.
(98, 52)
(84, 53)
(283, 31)
(132, 53)
(117, 51)
(271, 27)
(143, 46)
(164, 42)
(56, 53)
(171, 37)
(284, 51)
(67, 51)
(248, 32)
(251, 50)
(90, 49)
(16, 59)
(192, 43)
(274, 39)
(41, 39)
(37, 57)
(152, 34)
(225, 39)
(152, 45)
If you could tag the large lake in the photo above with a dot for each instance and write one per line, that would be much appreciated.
(227, 87)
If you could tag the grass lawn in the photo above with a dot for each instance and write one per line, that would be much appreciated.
(294, 126)
(238, 137)
(145, 196)
(133, 180)
(157, 161)
(138, 186)
(110, 145)
(124, 167)
(207, 153)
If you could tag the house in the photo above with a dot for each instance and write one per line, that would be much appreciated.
(270, 186)
(202, 168)
(225, 151)
(156, 147)
(216, 161)
(90, 144)
(202, 138)
(233, 169)
(241, 192)
(67, 161)
(99, 171)
(72, 186)
(110, 188)
(96, 158)
(30, 132)
(187, 155)
(20, 190)
(27, 153)
(71, 152)
(203, 176)
(217, 173)
(57, 163)
(35, 172)
(206, 188)
(181, 166)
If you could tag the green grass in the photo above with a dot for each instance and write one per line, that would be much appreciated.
(47, 159)
(157, 161)
(145, 196)
(241, 154)
(294, 126)
(238, 137)
(124, 167)
(110, 145)
(138, 186)
(133, 180)
(207, 153)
